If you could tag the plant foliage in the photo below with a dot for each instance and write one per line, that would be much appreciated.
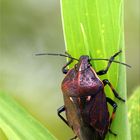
(95, 28)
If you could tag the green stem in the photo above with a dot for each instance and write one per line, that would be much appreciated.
(95, 28)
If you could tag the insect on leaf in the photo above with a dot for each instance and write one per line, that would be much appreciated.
(95, 28)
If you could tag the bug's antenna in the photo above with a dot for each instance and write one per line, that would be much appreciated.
(57, 54)
(111, 61)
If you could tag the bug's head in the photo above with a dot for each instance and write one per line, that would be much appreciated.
(83, 63)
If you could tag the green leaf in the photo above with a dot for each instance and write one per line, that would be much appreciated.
(95, 28)
(2, 135)
(134, 114)
(17, 124)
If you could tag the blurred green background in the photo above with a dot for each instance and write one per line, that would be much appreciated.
(31, 26)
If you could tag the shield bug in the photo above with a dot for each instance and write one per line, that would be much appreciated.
(85, 102)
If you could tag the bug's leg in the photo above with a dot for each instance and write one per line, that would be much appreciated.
(59, 111)
(114, 105)
(106, 82)
(101, 72)
(64, 70)
(110, 131)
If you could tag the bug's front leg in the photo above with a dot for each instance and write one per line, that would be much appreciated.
(101, 72)
(106, 82)
(64, 69)
(114, 105)
(59, 111)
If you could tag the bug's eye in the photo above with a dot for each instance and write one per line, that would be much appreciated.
(76, 66)
(89, 60)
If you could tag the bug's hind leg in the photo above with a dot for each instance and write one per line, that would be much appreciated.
(114, 105)
(101, 72)
(59, 111)
(110, 131)
(106, 82)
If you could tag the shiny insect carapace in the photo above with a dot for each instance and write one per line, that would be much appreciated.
(83, 89)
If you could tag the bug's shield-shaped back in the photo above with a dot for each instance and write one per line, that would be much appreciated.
(75, 120)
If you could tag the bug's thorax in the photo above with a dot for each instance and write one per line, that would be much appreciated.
(82, 79)
(85, 73)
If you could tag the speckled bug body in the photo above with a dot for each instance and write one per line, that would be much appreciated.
(82, 83)
(82, 89)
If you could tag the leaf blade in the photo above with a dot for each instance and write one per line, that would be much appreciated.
(97, 25)
(17, 124)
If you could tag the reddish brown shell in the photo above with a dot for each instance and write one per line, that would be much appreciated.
(86, 86)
